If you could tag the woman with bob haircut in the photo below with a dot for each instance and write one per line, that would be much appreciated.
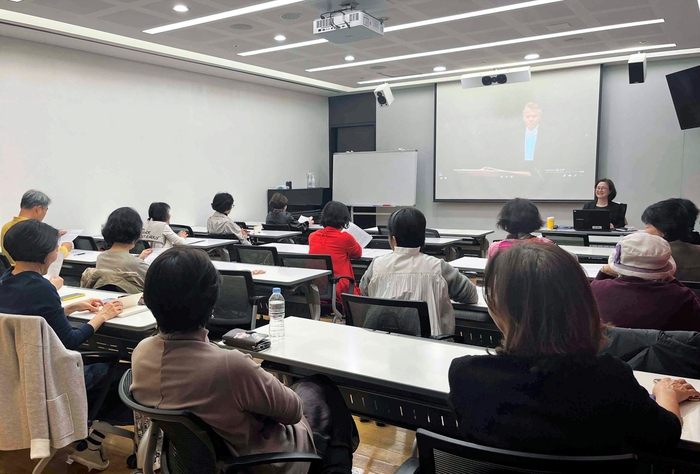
(605, 193)
(520, 218)
(279, 215)
(121, 232)
(341, 246)
(221, 223)
(157, 231)
(546, 390)
(246, 405)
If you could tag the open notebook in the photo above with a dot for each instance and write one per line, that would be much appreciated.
(131, 304)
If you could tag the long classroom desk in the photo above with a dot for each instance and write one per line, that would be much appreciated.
(398, 379)
(263, 235)
(478, 265)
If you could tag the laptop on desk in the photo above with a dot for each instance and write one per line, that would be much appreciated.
(592, 219)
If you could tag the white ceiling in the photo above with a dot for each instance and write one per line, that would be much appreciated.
(128, 18)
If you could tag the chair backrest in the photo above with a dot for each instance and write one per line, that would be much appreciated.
(241, 224)
(234, 308)
(314, 262)
(114, 288)
(383, 229)
(559, 239)
(693, 285)
(257, 255)
(140, 246)
(442, 455)
(623, 208)
(4, 263)
(85, 242)
(432, 233)
(395, 316)
(379, 243)
(277, 227)
(179, 227)
(190, 446)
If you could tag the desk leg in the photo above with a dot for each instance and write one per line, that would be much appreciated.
(313, 298)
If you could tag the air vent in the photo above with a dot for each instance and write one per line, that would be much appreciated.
(559, 27)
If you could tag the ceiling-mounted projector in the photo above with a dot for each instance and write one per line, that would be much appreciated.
(500, 76)
(347, 26)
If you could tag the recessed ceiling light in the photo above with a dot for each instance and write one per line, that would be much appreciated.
(280, 38)
(349, 57)
(181, 8)
(532, 56)
(221, 16)
(527, 39)
(488, 11)
(17, 1)
(439, 68)
(503, 66)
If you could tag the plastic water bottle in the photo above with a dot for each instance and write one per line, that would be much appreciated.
(276, 306)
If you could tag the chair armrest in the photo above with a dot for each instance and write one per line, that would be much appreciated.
(410, 466)
(256, 300)
(336, 279)
(444, 337)
(233, 464)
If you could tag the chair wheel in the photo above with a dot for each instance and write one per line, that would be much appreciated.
(131, 462)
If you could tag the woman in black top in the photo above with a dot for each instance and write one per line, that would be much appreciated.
(546, 390)
(279, 215)
(605, 192)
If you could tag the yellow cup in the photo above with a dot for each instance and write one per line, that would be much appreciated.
(550, 223)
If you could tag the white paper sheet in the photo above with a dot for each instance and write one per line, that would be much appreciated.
(70, 236)
(303, 219)
(362, 237)
(149, 260)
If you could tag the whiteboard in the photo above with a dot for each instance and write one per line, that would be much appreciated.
(376, 178)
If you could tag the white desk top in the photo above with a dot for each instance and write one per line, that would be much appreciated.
(367, 254)
(282, 276)
(209, 243)
(274, 234)
(469, 233)
(441, 240)
(345, 351)
(589, 251)
(477, 264)
(200, 229)
(85, 257)
(137, 322)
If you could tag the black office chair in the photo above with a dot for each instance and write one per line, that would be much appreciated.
(113, 288)
(379, 242)
(326, 284)
(442, 455)
(432, 233)
(410, 318)
(4, 263)
(256, 254)
(241, 224)
(85, 242)
(140, 246)
(190, 446)
(237, 306)
(178, 227)
(559, 239)
(476, 328)
(383, 230)
(623, 207)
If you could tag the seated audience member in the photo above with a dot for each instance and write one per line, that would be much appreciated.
(636, 289)
(25, 291)
(157, 231)
(246, 405)
(34, 205)
(221, 222)
(605, 192)
(408, 274)
(279, 215)
(669, 219)
(121, 232)
(692, 211)
(546, 390)
(520, 218)
(341, 246)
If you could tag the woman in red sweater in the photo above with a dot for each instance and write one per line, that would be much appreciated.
(341, 246)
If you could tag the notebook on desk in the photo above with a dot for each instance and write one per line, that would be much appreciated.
(130, 304)
(592, 219)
